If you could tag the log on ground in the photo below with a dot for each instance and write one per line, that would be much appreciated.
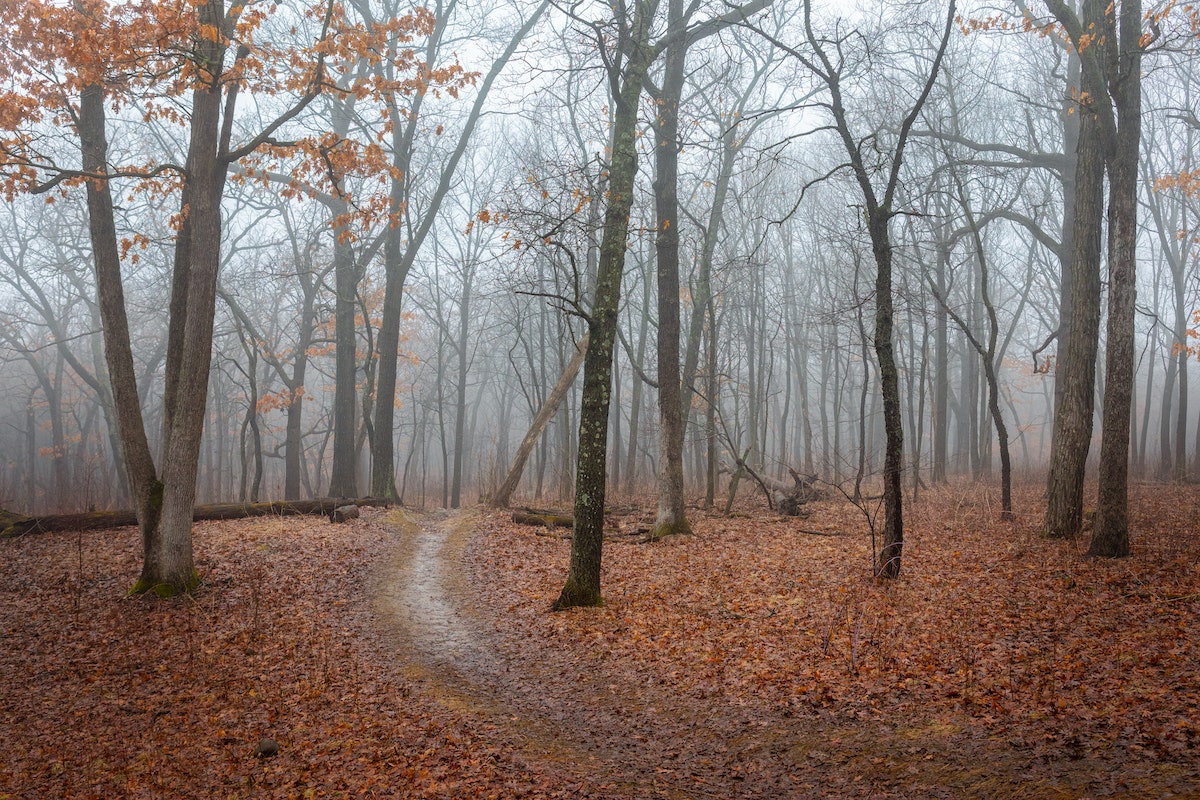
(98, 520)
(543, 518)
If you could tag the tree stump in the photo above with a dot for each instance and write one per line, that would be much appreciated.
(343, 513)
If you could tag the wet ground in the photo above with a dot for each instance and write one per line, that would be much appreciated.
(444, 648)
(610, 736)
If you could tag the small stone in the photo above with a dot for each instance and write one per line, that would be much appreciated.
(266, 748)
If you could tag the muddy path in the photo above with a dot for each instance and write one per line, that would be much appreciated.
(610, 735)
(442, 645)
(610, 739)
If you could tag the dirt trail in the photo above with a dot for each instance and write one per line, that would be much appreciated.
(441, 646)
(614, 737)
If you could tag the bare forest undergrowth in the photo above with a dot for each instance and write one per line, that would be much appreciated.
(412, 655)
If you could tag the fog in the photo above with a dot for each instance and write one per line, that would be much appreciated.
(458, 169)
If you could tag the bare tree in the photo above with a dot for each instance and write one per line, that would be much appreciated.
(826, 60)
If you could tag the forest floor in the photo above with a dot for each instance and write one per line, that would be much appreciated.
(412, 655)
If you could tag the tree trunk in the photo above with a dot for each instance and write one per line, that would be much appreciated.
(941, 370)
(889, 379)
(169, 564)
(12, 526)
(1111, 536)
(878, 211)
(343, 480)
(582, 586)
(460, 390)
(1072, 432)
(503, 495)
(671, 517)
(1071, 124)
(635, 402)
(145, 488)
(712, 393)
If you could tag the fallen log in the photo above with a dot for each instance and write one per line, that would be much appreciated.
(99, 520)
(543, 519)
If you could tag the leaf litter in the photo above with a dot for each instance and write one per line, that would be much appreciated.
(752, 659)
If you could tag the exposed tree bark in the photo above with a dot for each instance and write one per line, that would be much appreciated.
(169, 561)
(633, 56)
(671, 517)
(1111, 536)
(627, 70)
(343, 478)
(144, 484)
(1072, 433)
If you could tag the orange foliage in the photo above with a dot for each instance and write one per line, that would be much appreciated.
(1193, 334)
(1186, 181)
(280, 400)
(147, 54)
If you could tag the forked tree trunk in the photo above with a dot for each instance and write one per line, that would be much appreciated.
(879, 211)
(1072, 433)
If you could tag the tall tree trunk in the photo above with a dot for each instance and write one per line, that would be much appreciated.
(1165, 463)
(712, 393)
(1071, 121)
(889, 379)
(671, 517)
(582, 587)
(169, 563)
(941, 370)
(144, 485)
(635, 402)
(1112, 511)
(1072, 432)
(702, 291)
(460, 391)
(343, 480)
(879, 211)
